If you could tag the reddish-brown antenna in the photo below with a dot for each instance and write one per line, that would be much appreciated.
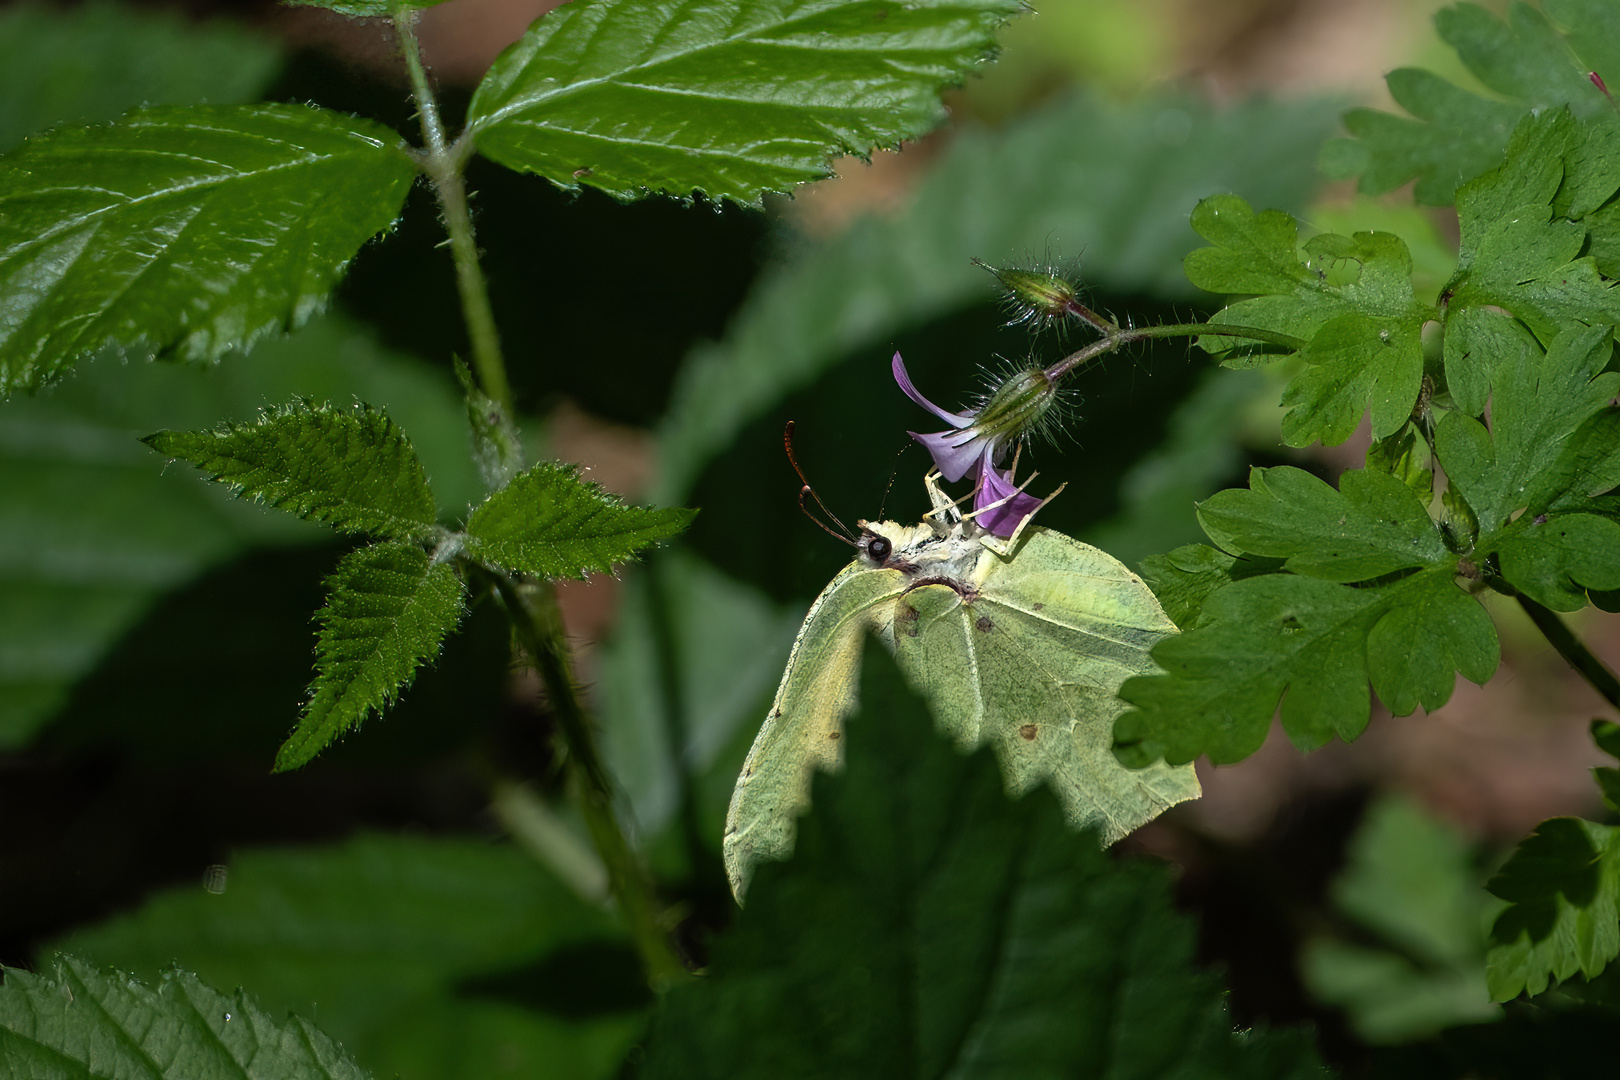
(844, 535)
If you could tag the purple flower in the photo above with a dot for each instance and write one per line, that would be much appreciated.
(976, 440)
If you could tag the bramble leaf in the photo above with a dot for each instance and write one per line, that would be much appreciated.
(1373, 525)
(389, 607)
(188, 231)
(731, 98)
(1350, 299)
(550, 523)
(1458, 135)
(1320, 642)
(351, 468)
(411, 948)
(928, 926)
(1563, 885)
(80, 1022)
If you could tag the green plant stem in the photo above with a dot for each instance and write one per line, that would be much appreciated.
(443, 162)
(1117, 337)
(1573, 650)
(532, 609)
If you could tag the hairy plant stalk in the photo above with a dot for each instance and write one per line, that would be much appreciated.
(532, 609)
(443, 162)
(1118, 337)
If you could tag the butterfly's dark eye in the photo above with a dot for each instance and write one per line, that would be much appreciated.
(879, 548)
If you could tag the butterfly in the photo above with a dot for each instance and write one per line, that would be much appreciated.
(1021, 643)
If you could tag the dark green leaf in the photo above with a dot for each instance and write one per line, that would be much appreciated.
(1515, 253)
(189, 231)
(430, 958)
(731, 98)
(388, 608)
(1186, 577)
(1350, 299)
(927, 926)
(351, 468)
(1371, 526)
(1478, 340)
(550, 523)
(1405, 457)
(1458, 135)
(82, 1023)
(1563, 884)
(1321, 643)
(1607, 736)
(1417, 963)
(1608, 782)
(99, 527)
(1555, 561)
(1531, 456)
(92, 62)
(1082, 172)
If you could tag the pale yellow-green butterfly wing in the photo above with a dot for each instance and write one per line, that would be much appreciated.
(1025, 652)
(802, 731)
(1033, 663)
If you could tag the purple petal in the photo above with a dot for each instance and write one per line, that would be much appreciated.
(995, 485)
(955, 453)
(956, 420)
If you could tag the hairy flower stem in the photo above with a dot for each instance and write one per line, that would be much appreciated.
(1117, 337)
(532, 609)
(1573, 650)
(443, 162)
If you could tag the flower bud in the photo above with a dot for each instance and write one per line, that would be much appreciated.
(1041, 298)
(1016, 408)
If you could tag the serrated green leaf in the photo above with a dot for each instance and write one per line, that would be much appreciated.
(1405, 457)
(1563, 885)
(1350, 299)
(731, 98)
(351, 468)
(92, 62)
(1529, 458)
(95, 528)
(1459, 135)
(1555, 561)
(1183, 579)
(1478, 340)
(1081, 172)
(1321, 643)
(1515, 253)
(1417, 963)
(550, 523)
(389, 607)
(927, 926)
(1373, 525)
(89, 1024)
(367, 8)
(189, 231)
(431, 958)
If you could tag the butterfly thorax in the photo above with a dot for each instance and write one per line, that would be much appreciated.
(922, 552)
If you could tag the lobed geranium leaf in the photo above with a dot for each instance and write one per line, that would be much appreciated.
(1516, 251)
(389, 607)
(413, 950)
(1563, 888)
(928, 926)
(80, 1022)
(186, 230)
(351, 468)
(1458, 135)
(1350, 298)
(1319, 641)
(730, 98)
(1371, 526)
(550, 523)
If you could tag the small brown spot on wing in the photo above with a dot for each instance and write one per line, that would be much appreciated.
(776, 714)
(1039, 606)
(1028, 732)
(984, 625)
(905, 620)
(835, 735)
